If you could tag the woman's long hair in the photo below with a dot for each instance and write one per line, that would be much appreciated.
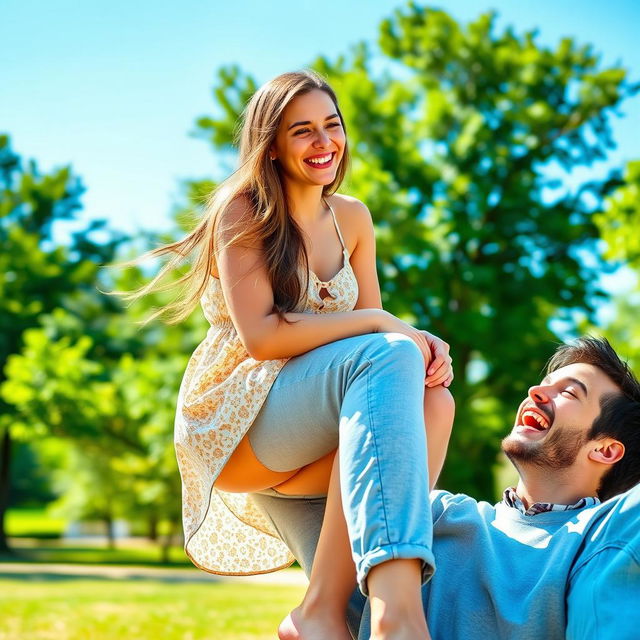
(269, 224)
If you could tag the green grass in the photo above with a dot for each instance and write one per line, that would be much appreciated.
(51, 552)
(35, 537)
(33, 523)
(75, 608)
(78, 609)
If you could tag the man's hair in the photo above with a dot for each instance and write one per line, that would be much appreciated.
(619, 412)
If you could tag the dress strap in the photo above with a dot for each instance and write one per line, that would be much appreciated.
(335, 222)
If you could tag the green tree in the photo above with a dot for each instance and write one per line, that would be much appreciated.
(461, 135)
(89, 375)
(93, 377)
(619, 221)
(116, 417)
(623, 330)
(36, 275)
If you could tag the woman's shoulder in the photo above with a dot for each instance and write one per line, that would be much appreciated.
(347, 204)
(236, 220)
(237, 209)
(352, 214)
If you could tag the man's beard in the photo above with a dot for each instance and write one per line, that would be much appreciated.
(558, 450)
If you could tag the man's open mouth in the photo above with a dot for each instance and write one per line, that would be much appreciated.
(534, 418)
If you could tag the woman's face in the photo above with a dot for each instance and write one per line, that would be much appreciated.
(310, 139)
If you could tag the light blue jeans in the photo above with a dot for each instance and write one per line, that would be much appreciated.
(365, 393)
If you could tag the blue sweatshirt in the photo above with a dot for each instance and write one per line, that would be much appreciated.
(503, 574)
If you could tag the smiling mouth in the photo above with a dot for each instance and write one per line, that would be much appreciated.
(534, 418)
(321, 162)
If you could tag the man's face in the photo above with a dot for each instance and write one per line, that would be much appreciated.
(553, 422)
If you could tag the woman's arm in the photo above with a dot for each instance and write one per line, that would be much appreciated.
(363, 262)
(249, 297)
(363, 256)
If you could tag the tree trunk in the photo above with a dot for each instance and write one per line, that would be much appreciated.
(152, 532)
(5, 476)
(168, 540)
(110, 533)
(164, 549)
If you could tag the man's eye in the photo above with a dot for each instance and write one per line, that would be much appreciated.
(571, 393)
(334, 124)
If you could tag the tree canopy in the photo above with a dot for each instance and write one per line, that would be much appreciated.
(462, 138)
(465, 140)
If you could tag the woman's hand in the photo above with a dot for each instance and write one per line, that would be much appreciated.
(388, 323)
(434, 350)
(440, 371)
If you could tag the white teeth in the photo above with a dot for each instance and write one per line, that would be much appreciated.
(537, 417)
(320, 160)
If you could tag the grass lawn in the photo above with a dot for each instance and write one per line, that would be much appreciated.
(33, 522)
(82, 609)
(35, 537)
(67, 552)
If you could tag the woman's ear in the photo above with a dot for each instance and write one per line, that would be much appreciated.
(607, 451)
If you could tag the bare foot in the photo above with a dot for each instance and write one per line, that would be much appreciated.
(298, 626)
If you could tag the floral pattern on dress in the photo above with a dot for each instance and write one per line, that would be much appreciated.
(222, 391)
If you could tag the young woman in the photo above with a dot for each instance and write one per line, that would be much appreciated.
(301, 360)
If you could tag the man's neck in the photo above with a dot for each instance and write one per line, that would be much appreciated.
(553, 489)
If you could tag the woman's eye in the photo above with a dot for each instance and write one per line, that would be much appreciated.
(299, 132)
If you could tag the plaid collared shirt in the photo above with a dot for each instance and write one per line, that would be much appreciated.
(510, 498)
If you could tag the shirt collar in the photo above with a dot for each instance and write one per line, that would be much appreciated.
(511, 499)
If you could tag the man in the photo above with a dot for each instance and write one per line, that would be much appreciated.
(559, 556)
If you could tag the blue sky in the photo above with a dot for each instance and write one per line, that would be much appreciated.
(113, 88)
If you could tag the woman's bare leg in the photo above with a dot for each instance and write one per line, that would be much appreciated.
(396, 601)
(394, 586)
(439, 411)
(322, 613)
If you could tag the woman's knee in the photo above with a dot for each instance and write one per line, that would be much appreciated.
(439, 401)
(397, 348)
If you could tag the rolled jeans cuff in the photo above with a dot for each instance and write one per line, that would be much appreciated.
(398, 551)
